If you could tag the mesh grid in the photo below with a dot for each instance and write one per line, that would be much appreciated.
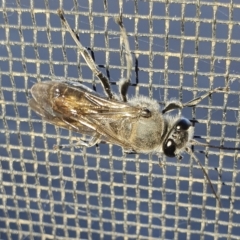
(180, 49)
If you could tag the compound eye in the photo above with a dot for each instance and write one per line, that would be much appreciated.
(169, 148)
(183, 124)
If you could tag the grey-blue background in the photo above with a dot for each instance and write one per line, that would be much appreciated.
(181, 49)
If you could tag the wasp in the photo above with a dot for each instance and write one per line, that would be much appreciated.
(137, 124)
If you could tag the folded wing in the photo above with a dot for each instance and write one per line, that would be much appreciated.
(75, 107)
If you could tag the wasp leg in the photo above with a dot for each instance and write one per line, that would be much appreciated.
(171, 105)
(123, 85)
(197, 100)
(189, 151)
(125, 82)
(87, 57)
(81, 143)
(160, 163)
(130, 152)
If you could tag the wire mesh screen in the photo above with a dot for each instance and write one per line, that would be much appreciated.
(180, 50)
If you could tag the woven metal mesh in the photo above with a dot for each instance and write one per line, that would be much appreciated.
(180, 49)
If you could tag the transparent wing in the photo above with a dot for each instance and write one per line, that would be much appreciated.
(75, 107)
(60, 121)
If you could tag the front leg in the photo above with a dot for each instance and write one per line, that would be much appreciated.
(172, 105)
